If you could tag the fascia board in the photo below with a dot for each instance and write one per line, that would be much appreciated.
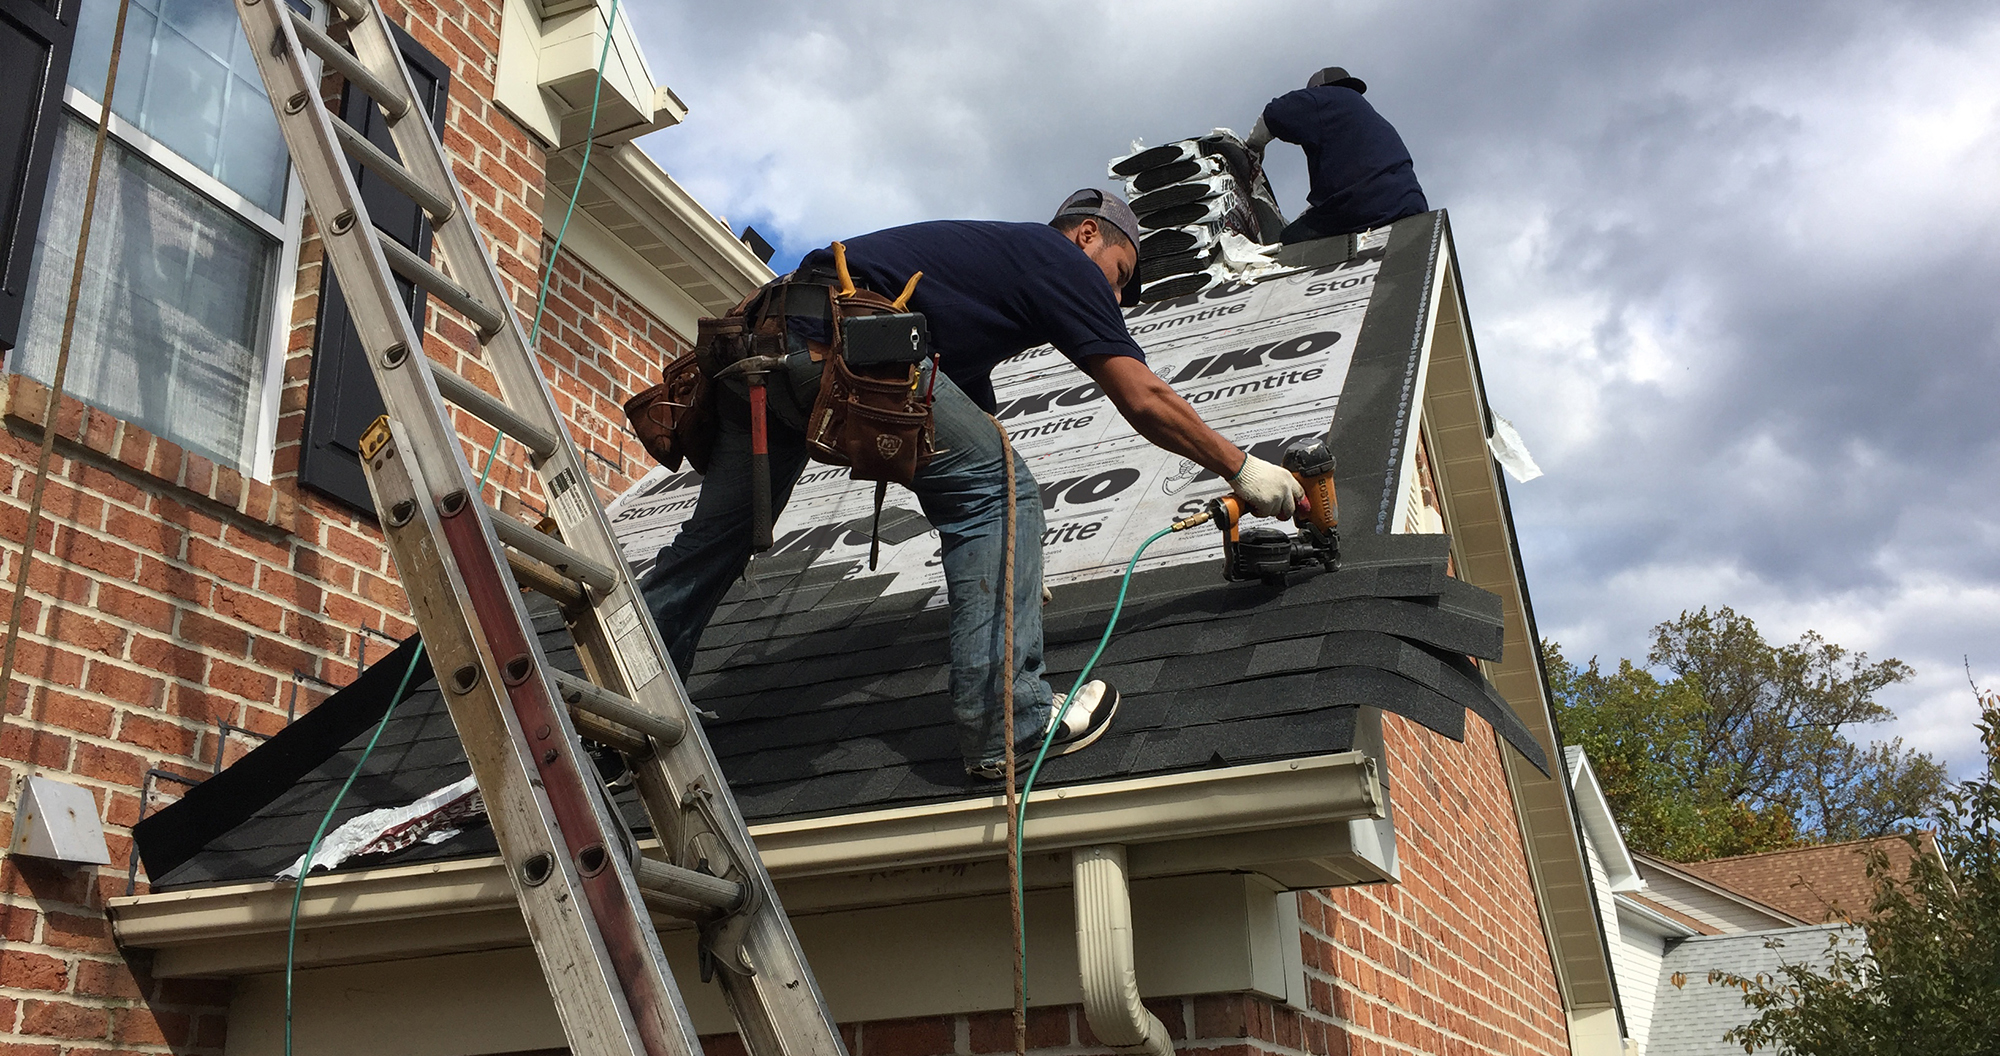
(1481, 525)
(1651, 920)
(1619, 869)
(1291, 820)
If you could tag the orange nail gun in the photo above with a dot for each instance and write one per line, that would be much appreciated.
(1268, 554)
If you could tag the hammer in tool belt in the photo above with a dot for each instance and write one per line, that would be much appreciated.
(754, 369)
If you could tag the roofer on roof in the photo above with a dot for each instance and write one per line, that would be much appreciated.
(1360, 170)
(990, 290)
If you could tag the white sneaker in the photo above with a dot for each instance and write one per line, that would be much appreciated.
(1082, 723)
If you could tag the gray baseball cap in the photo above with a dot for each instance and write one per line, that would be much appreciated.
(1110, 208)
(1339, 78)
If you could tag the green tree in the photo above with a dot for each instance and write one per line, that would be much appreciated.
(1928, 979)
(1737, 745)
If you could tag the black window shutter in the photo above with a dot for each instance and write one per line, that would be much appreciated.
(341, 399)
(35, 37)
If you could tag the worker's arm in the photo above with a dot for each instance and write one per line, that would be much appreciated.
(1259, 136)
(1167, 421)
(1161, 415)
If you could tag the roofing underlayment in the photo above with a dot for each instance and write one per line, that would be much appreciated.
(827, 682)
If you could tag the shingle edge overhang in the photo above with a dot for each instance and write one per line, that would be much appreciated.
(1301, 822)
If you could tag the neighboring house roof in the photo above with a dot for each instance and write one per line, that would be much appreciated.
(1721, 908)
(1690, 1014)
(1813, 883)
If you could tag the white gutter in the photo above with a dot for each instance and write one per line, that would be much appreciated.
(1104, 955)
(1258, 816)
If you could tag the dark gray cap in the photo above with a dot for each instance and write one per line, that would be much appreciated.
(1339, 78)
(1110, 208)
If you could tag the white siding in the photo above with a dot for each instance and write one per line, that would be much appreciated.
(1635, 960)
(1725, 915)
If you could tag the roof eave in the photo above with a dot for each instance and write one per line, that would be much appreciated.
(1301, 822)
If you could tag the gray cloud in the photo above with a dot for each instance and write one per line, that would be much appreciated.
(1731, 266)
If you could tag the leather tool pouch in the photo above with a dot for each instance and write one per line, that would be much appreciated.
(676, 418)
(872, 418)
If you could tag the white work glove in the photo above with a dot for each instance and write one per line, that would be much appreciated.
(1268, 490)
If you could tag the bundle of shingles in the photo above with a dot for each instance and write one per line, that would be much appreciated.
(1189, 195)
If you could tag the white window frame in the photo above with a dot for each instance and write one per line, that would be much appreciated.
(285, 230)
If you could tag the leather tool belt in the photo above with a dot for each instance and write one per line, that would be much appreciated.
(873, 417)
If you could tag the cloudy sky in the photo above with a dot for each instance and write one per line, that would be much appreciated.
(1733, 267)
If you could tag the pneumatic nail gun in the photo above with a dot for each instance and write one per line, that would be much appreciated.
(1268, 554)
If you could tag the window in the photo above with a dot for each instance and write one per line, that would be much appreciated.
(194, 237)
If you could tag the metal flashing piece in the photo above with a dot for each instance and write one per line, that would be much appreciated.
(58, 821)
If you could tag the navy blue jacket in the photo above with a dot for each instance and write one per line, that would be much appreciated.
(991, 290)
(1361, 173)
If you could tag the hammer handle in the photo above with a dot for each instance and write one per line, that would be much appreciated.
(760, 469)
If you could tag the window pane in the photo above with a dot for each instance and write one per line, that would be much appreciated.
(170, 330)
(186, 78)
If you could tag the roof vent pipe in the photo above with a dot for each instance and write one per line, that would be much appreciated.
(1104, 955)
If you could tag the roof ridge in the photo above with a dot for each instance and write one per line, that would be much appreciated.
(1801, 850)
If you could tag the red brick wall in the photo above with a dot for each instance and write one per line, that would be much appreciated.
(167, 593)
(1453, 958)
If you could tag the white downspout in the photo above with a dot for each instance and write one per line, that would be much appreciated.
(1104, 955)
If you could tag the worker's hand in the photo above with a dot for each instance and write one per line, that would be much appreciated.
(1268, 490)
(1260, 135)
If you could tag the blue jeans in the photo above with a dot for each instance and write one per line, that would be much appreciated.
(963, 492)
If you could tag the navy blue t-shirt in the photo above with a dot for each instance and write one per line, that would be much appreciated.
(1361, 173)
(991, 290)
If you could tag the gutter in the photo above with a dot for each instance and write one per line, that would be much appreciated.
(1170, 823)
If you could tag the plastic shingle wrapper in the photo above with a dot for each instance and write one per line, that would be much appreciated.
(1189, 195)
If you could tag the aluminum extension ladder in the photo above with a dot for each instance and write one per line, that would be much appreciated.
(583, 888)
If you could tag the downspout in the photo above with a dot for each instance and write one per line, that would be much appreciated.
(1104, 955)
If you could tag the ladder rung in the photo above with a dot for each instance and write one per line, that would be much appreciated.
(604, 731)
(546, 581)
(485, 407)
(438, 207)
(550, 551)
(593, 698)
(684, 892)
(394, 101)
(425, 274)
(351, 11)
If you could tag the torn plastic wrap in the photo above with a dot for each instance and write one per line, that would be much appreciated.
(1508, 449)
(433, 819)
(1188, 196)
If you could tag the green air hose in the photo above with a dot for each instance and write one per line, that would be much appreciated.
(1027, 787)
(534, 335)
